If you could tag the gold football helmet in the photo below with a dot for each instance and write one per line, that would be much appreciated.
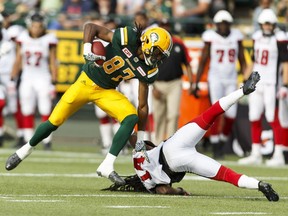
(156, 45)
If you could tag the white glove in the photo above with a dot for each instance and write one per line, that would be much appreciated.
(283, 92)
(89, 56)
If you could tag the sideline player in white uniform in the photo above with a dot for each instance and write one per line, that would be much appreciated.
(167, 163)
(223, 46)
(8, 92)
(270, 49)
(36, 52)
(9, 88)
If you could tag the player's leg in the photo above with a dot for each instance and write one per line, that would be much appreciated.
(105, 127)
(256, 108)
(190, 134)
(216, 91)
(207, 167)
(173, 106)
(159, 114)
(277, 158)
(229, 117)
(72, 100)
(27, 96)
(44, 104)
(116, 105)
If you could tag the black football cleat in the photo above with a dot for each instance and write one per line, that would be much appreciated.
(12, 162)
(250, 84)
(268, 191)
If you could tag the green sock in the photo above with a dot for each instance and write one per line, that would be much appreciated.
(122, 135)
(42, 131)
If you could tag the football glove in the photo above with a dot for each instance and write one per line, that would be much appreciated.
(92, 57)
(140, 147)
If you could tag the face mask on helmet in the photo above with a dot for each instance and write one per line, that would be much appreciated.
(156, 45)
(267, 20)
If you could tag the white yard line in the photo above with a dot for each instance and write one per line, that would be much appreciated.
(125, 207)
(42, 201)
(239, 213)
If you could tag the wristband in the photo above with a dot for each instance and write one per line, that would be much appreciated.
(140, 135)
(87, 48)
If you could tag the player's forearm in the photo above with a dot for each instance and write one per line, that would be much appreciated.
(16, 69)
(91, 31)
(142, 115)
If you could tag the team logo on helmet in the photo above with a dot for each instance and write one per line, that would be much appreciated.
(154, 37)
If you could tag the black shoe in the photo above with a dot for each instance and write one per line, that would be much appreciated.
(217, 149)
(250, 84)
(47, 146)
(268, 191)
(114, 177)
(1, 141)
(19, 143)
(12, 162)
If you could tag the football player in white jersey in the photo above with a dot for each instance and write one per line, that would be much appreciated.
(269, 51)
(36, 52)
(167, 163)
(223, 46)
(8, 93)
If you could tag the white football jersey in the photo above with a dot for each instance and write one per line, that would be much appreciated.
(151, 174)
(7, 52)
(35, 55)
(223, 53)
(266, 55)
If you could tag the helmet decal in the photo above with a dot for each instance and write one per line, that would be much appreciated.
(154, 37)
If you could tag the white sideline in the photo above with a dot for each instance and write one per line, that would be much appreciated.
(124, 207)
(239, 213)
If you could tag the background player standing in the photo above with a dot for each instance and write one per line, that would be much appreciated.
(269, 51)
(36, 52)
(223, 47)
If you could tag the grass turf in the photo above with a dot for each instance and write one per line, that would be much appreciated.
(63, 183)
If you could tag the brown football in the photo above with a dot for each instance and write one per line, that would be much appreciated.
(98, 49)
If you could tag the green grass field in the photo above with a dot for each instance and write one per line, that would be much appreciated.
(63, 182)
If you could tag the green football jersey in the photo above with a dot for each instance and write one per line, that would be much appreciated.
(122, 62)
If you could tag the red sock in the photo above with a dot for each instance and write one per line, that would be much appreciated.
(104, 120)
(28, 121)
(277, 129)
(2, 105)
(18, 116)
(206, 119)
(227, 175)
(256, 130)
(44, 118)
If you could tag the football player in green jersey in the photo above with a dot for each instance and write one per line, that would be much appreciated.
(130, 54)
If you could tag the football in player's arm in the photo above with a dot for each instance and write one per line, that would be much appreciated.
(130, 54)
